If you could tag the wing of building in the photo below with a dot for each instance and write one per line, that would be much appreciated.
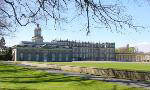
(62, 50)
(131, 54)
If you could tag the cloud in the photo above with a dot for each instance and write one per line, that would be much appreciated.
(143, 46)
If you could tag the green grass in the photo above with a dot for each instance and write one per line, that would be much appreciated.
(115, 65)
(20, 78)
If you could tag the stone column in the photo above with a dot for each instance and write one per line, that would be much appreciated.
(15, 54)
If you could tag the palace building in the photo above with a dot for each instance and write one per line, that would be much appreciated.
(126, 54)
(62, 50)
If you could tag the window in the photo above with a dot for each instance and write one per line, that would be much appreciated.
(67, 57)
(60, 57)
(29, 57)
(21, 56)
(37, 57)
(53, 57)
(45, 58)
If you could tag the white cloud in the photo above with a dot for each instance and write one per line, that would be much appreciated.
(142, 46)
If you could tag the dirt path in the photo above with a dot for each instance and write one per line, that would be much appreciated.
(130, 83)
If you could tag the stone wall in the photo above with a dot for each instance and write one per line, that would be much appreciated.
(106, 73)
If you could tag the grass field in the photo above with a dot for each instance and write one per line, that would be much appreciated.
(20, 78)
(116, 65)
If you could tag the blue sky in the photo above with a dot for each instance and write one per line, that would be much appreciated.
(140, 12)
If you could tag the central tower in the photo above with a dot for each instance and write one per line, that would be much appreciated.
(37, 38)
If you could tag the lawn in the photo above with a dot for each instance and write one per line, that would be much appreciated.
(20, 78)
(115, 65)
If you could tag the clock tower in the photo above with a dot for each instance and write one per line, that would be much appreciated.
(37, 38)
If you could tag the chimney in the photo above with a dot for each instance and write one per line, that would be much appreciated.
(127, 46)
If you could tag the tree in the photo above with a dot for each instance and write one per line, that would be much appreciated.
(102, 12)
(5, 20)
(8, 54)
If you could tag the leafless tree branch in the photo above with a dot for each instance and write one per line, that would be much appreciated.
(111, 15)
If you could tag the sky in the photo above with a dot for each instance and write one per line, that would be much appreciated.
(141, 40)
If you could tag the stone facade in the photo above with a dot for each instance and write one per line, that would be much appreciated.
(129, 54)
(86, 51)
(125, 57)
(126, 54)
(143, 57)
(45, 55)
(62, 50)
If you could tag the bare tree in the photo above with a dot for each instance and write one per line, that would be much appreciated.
(102, 12)
(5, 20)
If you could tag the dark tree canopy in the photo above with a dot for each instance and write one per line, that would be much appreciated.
(109, 13)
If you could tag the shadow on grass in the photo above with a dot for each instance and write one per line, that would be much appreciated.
(24, 88)
(27, 75)
(46, 77)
